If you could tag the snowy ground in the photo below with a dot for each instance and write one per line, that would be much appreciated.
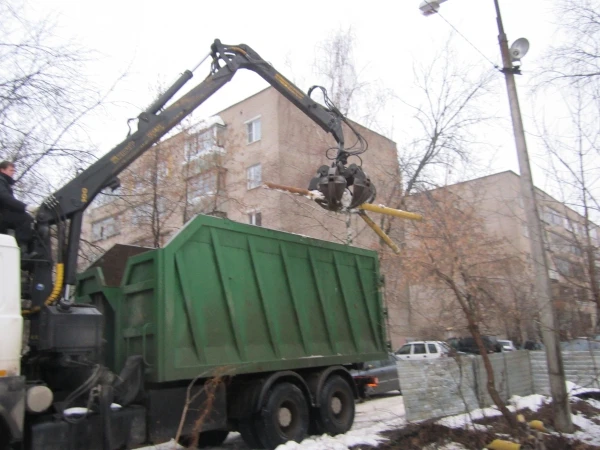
(387, 412)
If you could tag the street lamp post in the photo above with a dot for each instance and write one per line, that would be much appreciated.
(556, 372)
(558, 389)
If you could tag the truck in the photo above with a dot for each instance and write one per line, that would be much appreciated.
(229, 327)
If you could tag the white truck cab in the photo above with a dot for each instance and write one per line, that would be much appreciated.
(11, 320)
(12, 385)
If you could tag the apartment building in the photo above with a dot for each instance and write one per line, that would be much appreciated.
(569, 240)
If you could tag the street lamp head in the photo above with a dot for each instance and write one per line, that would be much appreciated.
(429, 7)
(518, 49)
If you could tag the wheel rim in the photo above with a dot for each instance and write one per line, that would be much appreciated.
(285, 417)
(337, 405)
(288, 418)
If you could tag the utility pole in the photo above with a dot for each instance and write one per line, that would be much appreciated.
(556, 373)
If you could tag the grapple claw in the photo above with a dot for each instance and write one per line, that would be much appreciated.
(364, 191)
(334, 181)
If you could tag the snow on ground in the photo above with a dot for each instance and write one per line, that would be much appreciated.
(449, 446)
(532, 402)
(387, 412)
(574, 389)
(589, 433)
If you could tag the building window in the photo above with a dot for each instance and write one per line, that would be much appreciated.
(563, 267)
(563, 245)
(141, 214)
(253, 129)
(202, 185)
(569, 269)
(105, 228)
(255, 218)
(553, 218)
(254, 175)
(200, 144)
(525, 230)
(106, 197)
(576, 250)
(144, 213)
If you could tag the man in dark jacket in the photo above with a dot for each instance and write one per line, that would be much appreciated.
(12, 211)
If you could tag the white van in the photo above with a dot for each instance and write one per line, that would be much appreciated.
(423, 350)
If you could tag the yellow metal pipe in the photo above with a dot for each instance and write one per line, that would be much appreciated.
(390, 211)
(538, 425)
(498, 444)
(379, 232)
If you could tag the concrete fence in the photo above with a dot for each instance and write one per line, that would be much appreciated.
(581, 368)
(447, 386)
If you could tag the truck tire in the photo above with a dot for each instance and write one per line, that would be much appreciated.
(247, 428)
(212, 438)
(335, 413)
(284, 416)
(5, 436)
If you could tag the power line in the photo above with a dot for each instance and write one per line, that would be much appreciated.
(465, 38)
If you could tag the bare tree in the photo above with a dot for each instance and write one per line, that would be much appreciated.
(345, 81)
(43, 95)
(442, 137)
(572, 164)
(453, 252)
(572, 148)
(445, 110)
(577, 57)
(446, 116)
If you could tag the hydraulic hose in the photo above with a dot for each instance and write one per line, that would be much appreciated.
(58, 284)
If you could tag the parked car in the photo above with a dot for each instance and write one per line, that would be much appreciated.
(468, 345)
(533, 345)
(507, 346)
(378, 377)
(420, 350)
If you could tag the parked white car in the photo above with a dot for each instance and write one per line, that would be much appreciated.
(419, 350)
(507, 346)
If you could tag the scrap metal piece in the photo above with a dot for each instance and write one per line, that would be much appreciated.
(390, 211)
(377, 229)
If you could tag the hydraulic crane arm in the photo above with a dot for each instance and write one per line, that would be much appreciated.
(70, 201)
(155, 122)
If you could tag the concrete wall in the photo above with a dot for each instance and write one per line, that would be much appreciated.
(449, 386)
(437, 388)
(512, 373)
(581, 368)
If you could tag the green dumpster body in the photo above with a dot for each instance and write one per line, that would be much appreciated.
(224, 297)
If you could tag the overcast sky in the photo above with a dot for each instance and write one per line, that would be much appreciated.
(153, 42)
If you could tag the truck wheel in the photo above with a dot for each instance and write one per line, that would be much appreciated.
(247, 428)
(335, 414)
(284, 417)
(212, 438)
(5, 437)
